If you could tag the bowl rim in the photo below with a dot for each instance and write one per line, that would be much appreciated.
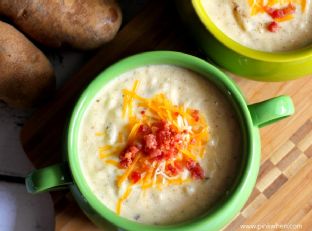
(243, 188)
(285, 56)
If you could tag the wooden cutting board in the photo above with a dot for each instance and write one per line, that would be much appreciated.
(283, 193)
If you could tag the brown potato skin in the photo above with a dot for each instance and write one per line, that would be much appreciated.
(82, 24)
(26, 75)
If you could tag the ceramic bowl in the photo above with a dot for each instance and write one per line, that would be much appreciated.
(241, 60)
(69, 174)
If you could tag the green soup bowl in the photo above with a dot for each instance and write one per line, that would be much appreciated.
(69, 173)
(241, 60)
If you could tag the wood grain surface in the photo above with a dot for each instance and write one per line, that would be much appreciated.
(283, 193)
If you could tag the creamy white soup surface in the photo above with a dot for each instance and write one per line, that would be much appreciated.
(160, 194)
(266, 25)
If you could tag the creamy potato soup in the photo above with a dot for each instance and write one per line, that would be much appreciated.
(266, 25)
(160, 145)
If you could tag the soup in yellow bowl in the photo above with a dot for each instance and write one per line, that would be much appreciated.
(266, 25)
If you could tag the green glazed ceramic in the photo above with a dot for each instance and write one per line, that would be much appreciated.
(253, 64)
(251, 117)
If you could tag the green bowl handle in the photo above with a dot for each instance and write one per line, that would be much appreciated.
(271, 111)
(51, 178)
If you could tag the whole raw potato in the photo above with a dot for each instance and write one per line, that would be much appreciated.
(83, 24)
(26, 75)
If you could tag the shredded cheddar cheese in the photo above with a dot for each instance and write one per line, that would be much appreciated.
(100, 134)
(188, 154)
(134, 131)
(285, 18)
(103, 155)
(105, 148)
(123, 197)
(256, 6)
(113, 162)
(120, 137)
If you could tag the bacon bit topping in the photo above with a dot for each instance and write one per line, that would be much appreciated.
(150, 142)
(179, 165)
(273, 27)
(195, 115)
(164, 141)
(135, 177)
(144, 129)
(195, 169)
(171, 170)
(127, 156)
(277, 14)
(280, 13)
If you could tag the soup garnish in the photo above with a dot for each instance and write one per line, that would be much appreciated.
(163, 145)
(275, 11)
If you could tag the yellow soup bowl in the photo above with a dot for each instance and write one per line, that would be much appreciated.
(239, 59)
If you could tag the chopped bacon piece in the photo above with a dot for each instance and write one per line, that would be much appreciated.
(170, 153)
(144, 129)
(171, 170)
(196, 170)
(179, 165)
(133, 149)
(273, 27)
(155, 153)
(280, 13)
(195, 115)
(138, 145)
(145, 166)
(268, 10)
(190, 164)
(150, 141)
(160, 157)
(178, 136)
(135, 177)
(290, 9)
(160, 141)
(127, 157)
(163, 137)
